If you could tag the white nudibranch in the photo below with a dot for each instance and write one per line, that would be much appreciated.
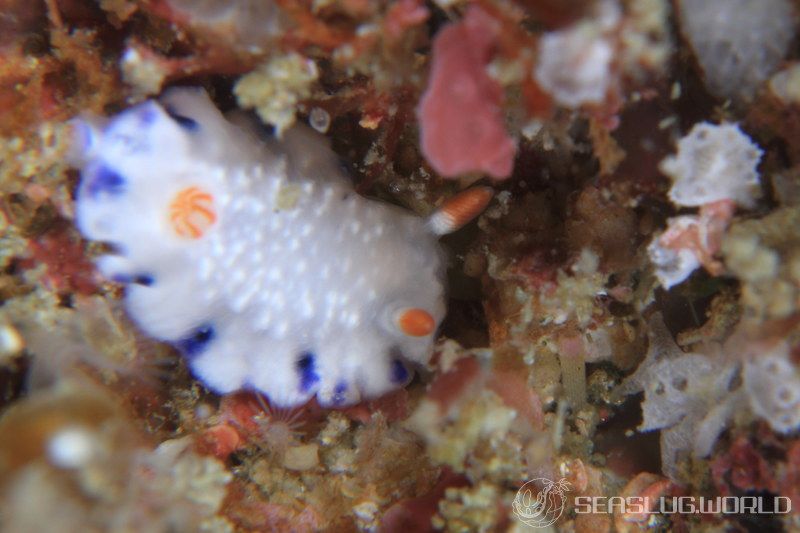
(256, 258)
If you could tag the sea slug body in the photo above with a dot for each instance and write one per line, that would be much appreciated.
(256, 258)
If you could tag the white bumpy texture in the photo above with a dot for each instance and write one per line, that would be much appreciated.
(738, 43)
(713, 163)
(293, 290)
(693, 397)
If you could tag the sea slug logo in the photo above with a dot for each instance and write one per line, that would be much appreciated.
(540, 502)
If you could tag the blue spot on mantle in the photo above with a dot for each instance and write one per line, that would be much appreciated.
(399, 372)
(183, 121)
(338, 393)
(308, 372)
(103, 180)
(147, 114)
(197, 341)
(144, 279)
(140, 279)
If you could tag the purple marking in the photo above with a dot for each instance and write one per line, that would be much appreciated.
(147, 114)
(338, 393)
(308, 372)
(144, 279)
(103, 180)
(140, 279)
(183, 121)
(197, 340)
(399, 371)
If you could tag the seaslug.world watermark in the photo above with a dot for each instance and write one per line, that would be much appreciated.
(541, 502)
(683, 505)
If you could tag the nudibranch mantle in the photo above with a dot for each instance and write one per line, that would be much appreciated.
(256, 258)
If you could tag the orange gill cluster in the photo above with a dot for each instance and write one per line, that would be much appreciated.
(191, 213)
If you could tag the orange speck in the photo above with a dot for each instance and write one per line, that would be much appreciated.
(192, 213)
(416, 322)
(459, 210)
(220, 441)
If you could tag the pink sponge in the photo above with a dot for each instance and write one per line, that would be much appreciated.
(460, 117)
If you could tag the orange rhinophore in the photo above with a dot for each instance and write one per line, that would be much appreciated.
(459, 210)
(415, 322)
(192, 212)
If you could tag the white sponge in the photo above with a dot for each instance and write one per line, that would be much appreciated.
(713, 163)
